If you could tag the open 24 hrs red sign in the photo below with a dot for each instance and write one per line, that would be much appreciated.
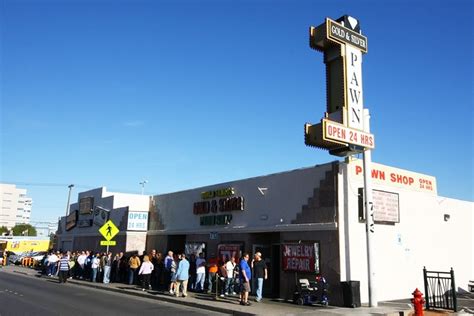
(342, 134)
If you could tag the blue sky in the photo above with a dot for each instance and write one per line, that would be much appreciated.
(192, 93)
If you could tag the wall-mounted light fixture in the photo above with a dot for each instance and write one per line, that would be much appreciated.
(262, 190)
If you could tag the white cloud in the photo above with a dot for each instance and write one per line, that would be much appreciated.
(134, 123)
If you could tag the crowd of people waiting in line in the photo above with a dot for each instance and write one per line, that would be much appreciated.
(174, 273)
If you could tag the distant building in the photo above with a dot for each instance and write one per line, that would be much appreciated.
(128, 212)
(15, 206)
(45, 229)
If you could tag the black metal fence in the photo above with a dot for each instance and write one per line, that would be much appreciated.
(440, 290)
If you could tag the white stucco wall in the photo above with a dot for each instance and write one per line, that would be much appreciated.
(422, 238)
(134, 202)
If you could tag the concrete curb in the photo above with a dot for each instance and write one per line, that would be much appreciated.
(158, 296)
(207, 305)
(21, 272)
(164, 298)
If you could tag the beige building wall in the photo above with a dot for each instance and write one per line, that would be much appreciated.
(15, 206)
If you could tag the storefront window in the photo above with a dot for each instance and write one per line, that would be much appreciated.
(226, 251)
(301, 257)
(194, 248)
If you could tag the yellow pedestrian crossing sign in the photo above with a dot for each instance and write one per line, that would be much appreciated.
(109, 230)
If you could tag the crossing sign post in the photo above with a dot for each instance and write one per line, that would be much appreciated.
(108, 230)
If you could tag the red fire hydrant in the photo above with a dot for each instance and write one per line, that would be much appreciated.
(418, 302)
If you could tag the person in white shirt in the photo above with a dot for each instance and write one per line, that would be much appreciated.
(81, 260)
(229, 282)
(52, 262)
(145, 272)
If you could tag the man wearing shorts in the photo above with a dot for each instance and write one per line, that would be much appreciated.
(245, 277)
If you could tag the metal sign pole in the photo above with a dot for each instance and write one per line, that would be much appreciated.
(369, 215)
(69, 198)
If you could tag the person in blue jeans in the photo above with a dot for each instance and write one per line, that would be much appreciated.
(229, 281)
(260, 273)
(95, 267)
(52, 263)
(107, 264)
(200, 273)
(133, 264)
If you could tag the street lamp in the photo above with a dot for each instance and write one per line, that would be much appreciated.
(143, 185)
(69, 198)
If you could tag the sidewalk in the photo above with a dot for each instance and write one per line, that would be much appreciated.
(230, 305)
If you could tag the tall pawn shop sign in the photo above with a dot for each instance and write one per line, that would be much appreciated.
(344, 130)
(341, 130)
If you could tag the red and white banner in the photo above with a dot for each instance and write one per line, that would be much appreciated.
(226, 251)
(301, 257)
(394, 177)
(335, 132)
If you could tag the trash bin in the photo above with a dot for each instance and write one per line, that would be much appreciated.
(351, 293)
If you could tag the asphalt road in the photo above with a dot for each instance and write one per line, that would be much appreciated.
(26, 295)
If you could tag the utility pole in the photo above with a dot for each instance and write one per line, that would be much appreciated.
(369, 215)
(69, 198)
(143, 185)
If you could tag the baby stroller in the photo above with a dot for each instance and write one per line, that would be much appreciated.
(311, 292)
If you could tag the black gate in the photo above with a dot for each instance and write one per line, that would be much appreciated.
(440, 290)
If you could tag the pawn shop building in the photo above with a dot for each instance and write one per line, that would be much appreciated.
(311, 220)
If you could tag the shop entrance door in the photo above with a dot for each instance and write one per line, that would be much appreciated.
(266, 251)
(176, 243)
(275, 275)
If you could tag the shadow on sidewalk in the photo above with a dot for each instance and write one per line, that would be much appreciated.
(292, 304)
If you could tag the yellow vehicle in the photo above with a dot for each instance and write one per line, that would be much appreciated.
(18, 247)
(24, 245)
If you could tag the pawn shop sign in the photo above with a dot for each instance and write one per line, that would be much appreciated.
(109, 230)
(342, 129)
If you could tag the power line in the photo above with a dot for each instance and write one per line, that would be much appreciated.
(79, 186)
(46, 184)
(44, 222)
